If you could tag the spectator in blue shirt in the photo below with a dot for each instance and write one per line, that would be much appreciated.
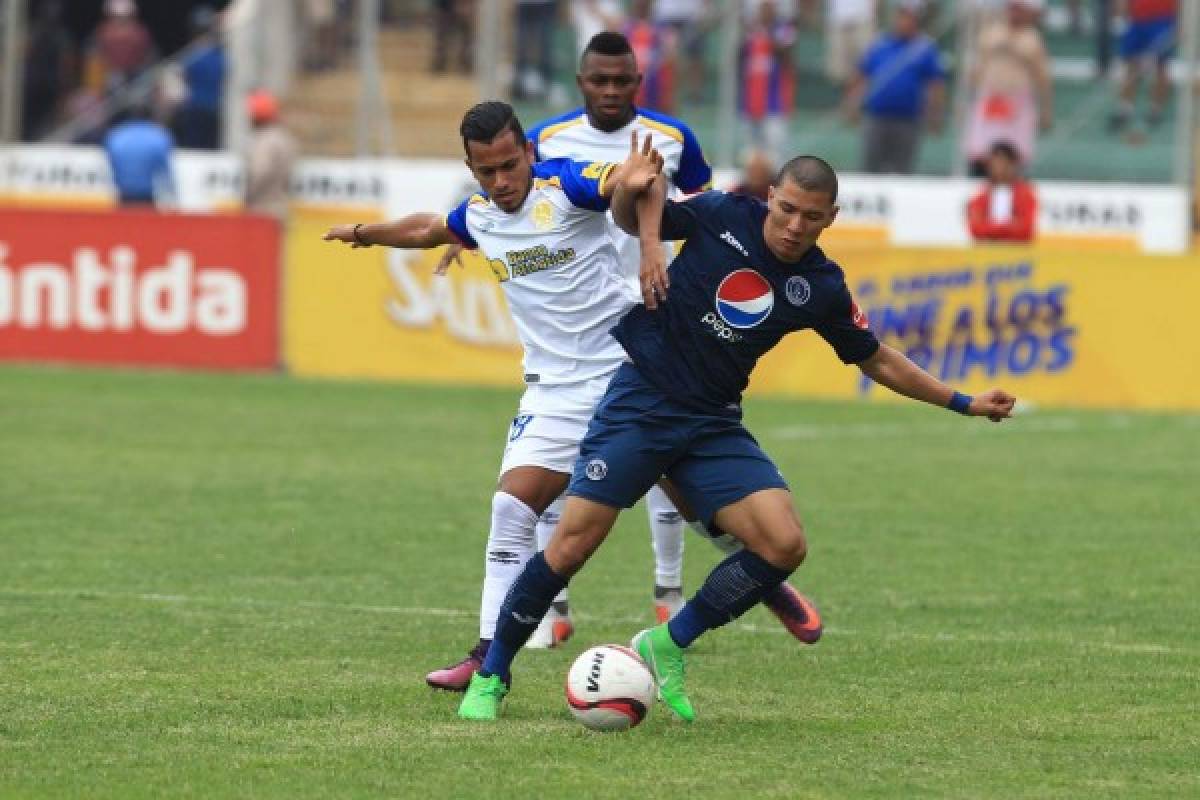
(197, 123)
(139, 155)
(900, 88)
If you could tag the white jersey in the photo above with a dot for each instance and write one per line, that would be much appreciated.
(559, 270)
(572, 135)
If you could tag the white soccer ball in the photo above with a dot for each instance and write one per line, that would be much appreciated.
(609, 688)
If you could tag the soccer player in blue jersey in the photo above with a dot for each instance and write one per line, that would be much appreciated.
(748, 274)
(600, 130)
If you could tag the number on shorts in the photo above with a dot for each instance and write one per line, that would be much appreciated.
(519, 424)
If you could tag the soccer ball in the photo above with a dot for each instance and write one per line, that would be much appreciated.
(609, 688)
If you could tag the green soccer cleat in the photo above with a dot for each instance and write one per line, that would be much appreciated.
(665, 660)
(482, 700)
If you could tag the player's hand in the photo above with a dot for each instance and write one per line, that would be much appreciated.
(653, 276)
(643, 164)
(451, 255)
(342, 233)
(996, 405)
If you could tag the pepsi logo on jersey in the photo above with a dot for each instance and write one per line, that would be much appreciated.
(744, 298)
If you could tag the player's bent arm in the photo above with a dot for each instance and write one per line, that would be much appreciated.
(414, 231)
(630, 208)
(891, 368)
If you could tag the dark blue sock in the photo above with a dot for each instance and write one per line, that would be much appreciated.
(734, 586)
(526, 603)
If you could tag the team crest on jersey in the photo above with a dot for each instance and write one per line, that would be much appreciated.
(744, 298)
(543, 215)
(798, 291)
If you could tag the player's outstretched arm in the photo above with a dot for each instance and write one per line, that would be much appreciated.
(891, 368)
(415, 231)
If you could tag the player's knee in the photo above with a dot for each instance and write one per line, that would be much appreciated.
(790, 547)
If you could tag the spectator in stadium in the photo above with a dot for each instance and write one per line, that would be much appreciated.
(453, 25)
(590, 17)
(1013, 96)
(900, 88)
(1149, 36)
(49, 68)
(197, 122)
(121, 46)
(270, 158)
(850, 28)
(654, 50)
(688, 22)
(757, 174)
(1005, 209)
(139, 156)
(534, 45)
(767, 79)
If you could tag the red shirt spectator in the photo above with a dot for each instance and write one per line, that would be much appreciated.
(1005, 210)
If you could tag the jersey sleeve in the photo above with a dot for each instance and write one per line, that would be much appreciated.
(456, 223)
(694, 173)
(679, 219)
(582, 182)
(846, 330)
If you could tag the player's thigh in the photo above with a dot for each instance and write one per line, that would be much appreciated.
(721, 467)
(767, 524)
(542, 446)
(626, 449)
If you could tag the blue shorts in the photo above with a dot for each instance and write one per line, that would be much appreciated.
(639, 434)
(1151, 37)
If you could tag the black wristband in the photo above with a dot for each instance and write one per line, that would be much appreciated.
(357, 238)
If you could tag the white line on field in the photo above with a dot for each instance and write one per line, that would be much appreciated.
(746, 627)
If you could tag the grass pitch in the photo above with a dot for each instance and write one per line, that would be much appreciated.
(216, 586)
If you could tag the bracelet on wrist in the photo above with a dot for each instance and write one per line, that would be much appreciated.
(358, 239)
(960, 402)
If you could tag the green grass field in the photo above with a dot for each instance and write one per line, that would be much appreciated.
(216, 586)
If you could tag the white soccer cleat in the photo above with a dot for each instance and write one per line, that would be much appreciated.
(554, 629)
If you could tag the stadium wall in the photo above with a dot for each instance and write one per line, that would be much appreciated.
(1082, 319)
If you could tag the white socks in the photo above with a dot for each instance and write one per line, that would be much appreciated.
(510, 545)
(545, 529)
(666, 534)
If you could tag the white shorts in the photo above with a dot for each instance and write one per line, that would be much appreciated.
(550, 424)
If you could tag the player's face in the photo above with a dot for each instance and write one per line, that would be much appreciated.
(609, 84)
(795, 219)
(503, 168)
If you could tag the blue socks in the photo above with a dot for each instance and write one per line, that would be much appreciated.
(734, 586)
(526, 603)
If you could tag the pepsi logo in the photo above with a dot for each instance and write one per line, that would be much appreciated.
(744, 298)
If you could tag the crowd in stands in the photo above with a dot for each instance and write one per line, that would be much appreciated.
(888, 59)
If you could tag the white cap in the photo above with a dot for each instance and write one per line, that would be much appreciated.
(120, 8)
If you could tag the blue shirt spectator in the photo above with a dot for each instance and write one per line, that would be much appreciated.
(139, 155)
(204, 73)
(898, 70)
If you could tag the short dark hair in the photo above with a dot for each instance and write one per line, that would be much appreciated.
(810, 173)
(607, 43)
(485, 121)
(1007, 149)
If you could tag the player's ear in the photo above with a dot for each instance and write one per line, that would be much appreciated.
(529, 151)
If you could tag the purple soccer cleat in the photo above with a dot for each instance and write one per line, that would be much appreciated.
(796, 612)
(456, 677)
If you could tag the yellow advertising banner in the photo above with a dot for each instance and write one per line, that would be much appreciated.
(1056, 326)
(382, 313)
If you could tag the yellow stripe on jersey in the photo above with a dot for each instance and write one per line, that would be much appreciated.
(550, 130)
(663, 128)
(476, 199)
(608, 168)
(553, 180)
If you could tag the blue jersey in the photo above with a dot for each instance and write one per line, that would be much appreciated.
(731, 300)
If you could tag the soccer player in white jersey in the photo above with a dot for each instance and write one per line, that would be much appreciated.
(544, 231)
